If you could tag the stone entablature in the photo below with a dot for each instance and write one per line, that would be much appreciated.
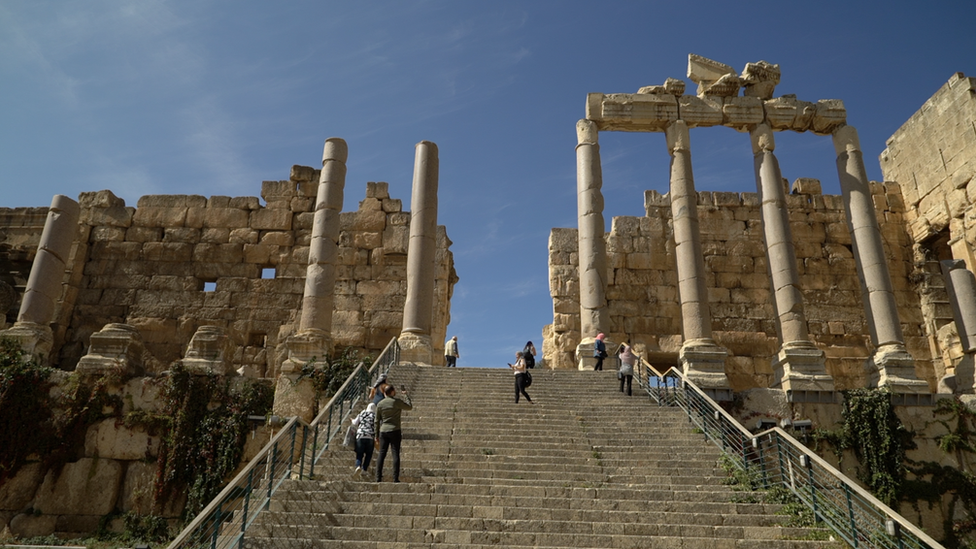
(175, 263)
(643, 303)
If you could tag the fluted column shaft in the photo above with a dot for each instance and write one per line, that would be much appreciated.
(594, 316)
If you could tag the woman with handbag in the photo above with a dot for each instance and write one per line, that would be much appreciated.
(626, 371)
(599, 352)
(521, 375)
(364, 438)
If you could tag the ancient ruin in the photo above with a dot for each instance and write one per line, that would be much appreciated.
(803, 292)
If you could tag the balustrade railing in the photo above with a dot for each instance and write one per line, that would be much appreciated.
(774, 458)
(293, 453)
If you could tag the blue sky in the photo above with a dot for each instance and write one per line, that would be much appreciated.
(212, 97)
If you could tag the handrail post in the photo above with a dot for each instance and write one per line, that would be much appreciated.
(762, 463)
(315, 457)
(271, 473)
(247, 501)
(216, 526)
(850, 514)
(291, 457)
(301, 465)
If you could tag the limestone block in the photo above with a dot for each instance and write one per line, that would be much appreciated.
(278, 238)
(99, 199)
(652, 112)
(231, 218)
(159, 217)
(700, 111)
(300, 204)
(138, 488)
(830, 114)
(31, 525)
(215, 235)
(303, 173)
(373, 221)
(115, 216)
(380, 189)
(181, 252)
(85, 487)
(110, 439)
(108, 234)
(271, 190)
(244, 236)
(396, 239)
(271, 220)
(368, 240)
(392, 205)
(742, 112)
(142, 393)
(218, 253)
(399, 219)
(17, 492)
(259, 253)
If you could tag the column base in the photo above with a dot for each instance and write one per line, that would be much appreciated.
(416, 348)
(34, 339)
(295, 396)
(209, 351)
(799, 366)
(894, 367)
(308, 347)
(116, 348)
(703, 363)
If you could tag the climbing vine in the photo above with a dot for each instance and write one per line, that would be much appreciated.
(879, 441)
(327, 380)
(204, 434)
(25, 412)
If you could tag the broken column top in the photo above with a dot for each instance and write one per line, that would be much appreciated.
(716, 103)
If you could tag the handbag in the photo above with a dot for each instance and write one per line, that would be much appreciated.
(350, 438)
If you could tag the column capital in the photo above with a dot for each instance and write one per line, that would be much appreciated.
(587, 133)
(762, 139)
(846, 140)
(677, 137)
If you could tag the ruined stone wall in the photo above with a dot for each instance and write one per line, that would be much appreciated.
(177, 262)
(932, 157)
(642, 284)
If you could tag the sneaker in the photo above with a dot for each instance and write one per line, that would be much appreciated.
(357, 472)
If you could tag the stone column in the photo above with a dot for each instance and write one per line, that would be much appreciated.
(313, 342)
(33, 327)
(701, 358)
(891, 364)
(594, 316)
(799, 365)
(961, 287)
(418, 310)
(314, 338)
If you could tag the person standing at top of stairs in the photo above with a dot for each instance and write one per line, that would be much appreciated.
(388, 429)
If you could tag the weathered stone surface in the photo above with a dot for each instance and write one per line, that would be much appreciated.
(17, 492)
(87, 486)
(110, 439)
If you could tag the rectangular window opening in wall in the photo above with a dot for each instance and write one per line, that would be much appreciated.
(257, 339)
(210, 285)
(268, 272)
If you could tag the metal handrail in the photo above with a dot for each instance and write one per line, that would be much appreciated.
(774, 458)
(224, 522)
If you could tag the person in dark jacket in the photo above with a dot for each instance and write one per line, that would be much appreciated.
(388, 430)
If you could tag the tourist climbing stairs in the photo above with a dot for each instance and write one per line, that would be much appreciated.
(581, 466)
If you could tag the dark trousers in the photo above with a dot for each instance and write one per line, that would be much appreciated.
(389, 439)
(451, 361)
(364, 452)
(520, 388)
(599, 364)
(629, 379)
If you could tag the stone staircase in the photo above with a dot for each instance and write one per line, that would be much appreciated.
(585, 466)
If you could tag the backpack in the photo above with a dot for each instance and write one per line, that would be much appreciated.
(528, 380)
(528, 358)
